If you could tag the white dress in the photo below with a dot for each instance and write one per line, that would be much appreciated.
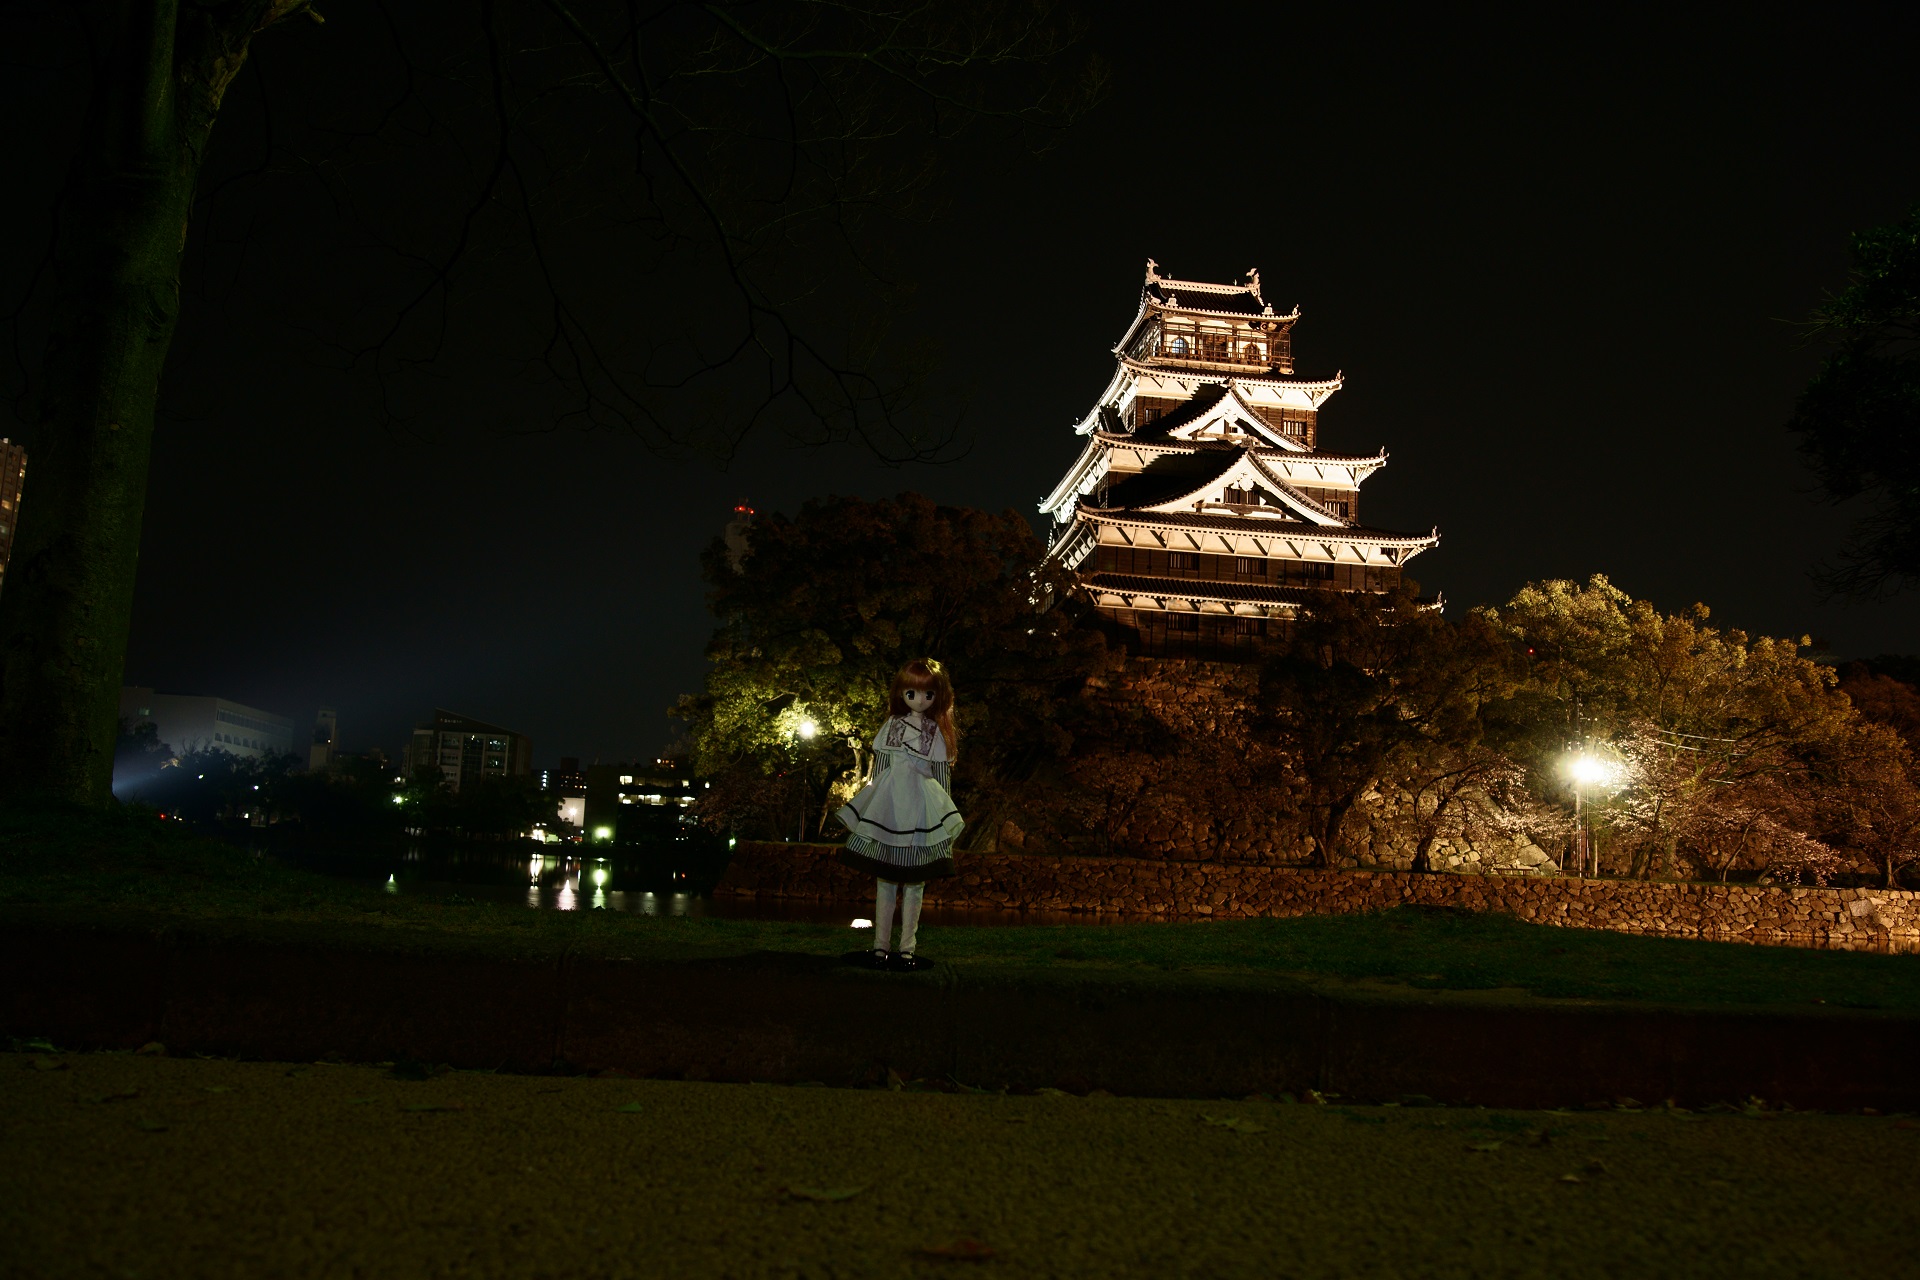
(903, 824)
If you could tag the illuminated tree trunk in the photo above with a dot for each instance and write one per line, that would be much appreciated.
(120, 231)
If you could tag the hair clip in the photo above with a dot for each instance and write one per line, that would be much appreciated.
(933, 665)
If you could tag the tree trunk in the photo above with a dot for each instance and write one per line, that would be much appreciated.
(1328, 838)
(120, 232)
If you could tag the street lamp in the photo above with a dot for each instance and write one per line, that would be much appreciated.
(808, 728)
(1587, 770)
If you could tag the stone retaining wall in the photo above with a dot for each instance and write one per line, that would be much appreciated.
(1846, 918)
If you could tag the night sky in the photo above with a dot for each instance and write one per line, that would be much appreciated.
(1555, 257)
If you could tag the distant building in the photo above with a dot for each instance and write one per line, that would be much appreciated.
(13, 475)
(187, 722)
(568, 779)
(465, 749)
(326, 740)
(567, 786)
(612, 789)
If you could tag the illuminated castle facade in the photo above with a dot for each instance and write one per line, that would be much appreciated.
(1201, 513)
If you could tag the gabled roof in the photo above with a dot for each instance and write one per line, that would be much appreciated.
(1244, 470)
(1216, 408)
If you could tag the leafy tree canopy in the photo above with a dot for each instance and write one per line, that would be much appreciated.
(825, 607)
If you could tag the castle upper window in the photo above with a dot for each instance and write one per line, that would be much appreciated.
(1179, 346)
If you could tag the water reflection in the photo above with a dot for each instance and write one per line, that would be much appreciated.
(669, 882)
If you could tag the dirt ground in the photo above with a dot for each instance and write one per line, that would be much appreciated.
(147, 1166)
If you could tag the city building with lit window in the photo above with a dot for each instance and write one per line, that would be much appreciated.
(1201, 512)
(13, 478)
(616, 791)
(464, 749)
(189, 722)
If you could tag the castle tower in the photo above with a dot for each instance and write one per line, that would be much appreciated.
(1200, 513)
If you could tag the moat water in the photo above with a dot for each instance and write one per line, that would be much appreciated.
(570, 878)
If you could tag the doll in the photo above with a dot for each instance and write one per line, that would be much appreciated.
(903, 823)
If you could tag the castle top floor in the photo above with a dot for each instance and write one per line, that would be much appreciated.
(1220, 328)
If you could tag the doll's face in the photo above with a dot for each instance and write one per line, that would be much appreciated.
(919, 700)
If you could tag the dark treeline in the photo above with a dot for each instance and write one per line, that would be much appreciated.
(1378, 733)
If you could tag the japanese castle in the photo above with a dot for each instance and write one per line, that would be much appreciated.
(1200, 512)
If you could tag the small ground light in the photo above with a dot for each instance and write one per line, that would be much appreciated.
(860, 923)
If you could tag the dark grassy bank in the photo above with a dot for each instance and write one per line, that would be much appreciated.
(131, 871)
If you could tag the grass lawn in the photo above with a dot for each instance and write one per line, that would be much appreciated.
(132, 871)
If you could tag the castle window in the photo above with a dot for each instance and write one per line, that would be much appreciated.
(1179, 346)
(1240, 497)
(1183, 562)
(1250, 566)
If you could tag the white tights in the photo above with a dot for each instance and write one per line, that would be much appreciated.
(885, 894)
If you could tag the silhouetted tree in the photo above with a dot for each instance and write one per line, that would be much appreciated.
(754, 141)
(1859, 418)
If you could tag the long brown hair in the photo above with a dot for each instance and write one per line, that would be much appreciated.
(927, 674)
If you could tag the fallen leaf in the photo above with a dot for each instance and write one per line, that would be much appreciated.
(362, 1101)
(1571, 1177)
(1541, 1138)
(1493, 1145)
(1053, 1093)
(150, 1126)
(153, 1049)
(1023, 1120)
(1594, 1166)
(1234, 1123)
(894, 1081)
(631, 1108)
(825, 1195)
(44, 1063)
(433, 1106)
(958, 1251)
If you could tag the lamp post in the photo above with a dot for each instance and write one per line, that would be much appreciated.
(1585, 770)
(804, 731)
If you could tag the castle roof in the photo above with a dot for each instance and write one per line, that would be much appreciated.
(1259, 526)
(1196, 589)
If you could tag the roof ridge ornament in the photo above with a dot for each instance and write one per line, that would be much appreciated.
(1153, 271)
(1253, 286)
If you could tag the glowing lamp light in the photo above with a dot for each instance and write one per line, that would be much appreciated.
(1590, 770)
(399, 799)
(603, 833)
(859, 923)
(808, 728)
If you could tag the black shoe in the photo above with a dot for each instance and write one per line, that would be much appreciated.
(869, 959)
(907, 962)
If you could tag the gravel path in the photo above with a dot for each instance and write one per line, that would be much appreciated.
(133, 1166)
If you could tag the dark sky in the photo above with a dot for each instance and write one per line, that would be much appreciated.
(1554, 256)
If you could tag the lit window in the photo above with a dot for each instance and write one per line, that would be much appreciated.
(626, 779)
(1179, 346)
